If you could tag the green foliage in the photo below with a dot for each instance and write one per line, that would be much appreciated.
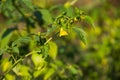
(33, 55)
(52, 50)
(43, 41)
(5, 40)
(81, 34)
(89, 20)
(46, 16)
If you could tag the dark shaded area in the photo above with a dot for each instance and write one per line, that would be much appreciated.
(38, 17)
(8, 31)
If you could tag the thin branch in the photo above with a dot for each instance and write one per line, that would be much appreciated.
(48, 40)
(11, 68)
(13, 58)
(18, 9)
(19, 60)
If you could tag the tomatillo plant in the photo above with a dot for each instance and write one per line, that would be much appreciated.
(33, 55)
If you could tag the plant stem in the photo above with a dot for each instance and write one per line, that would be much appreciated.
(18, 9)
(11, 67)
(13, 58)
(19, 60)
(48, 40)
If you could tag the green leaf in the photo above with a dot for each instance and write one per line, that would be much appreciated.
(53, 50)
(16, 69)
(10, 77)
(46, 16)
(15, 50)
(28, 3)
(8, 31)
(24, 70)
(20, 41)
(72, 69)
(37, 59)
(81, 34)
(39, 3)
(5, 64)
(21, 70)
(89, 20)
(4, 39)
(49, 73)
(70, 12)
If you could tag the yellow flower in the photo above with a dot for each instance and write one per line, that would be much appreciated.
(75, 19)
(62, 32)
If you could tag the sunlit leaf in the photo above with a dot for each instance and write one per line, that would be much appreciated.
(5, 38)
(49, 73)
(21, 70)
(82, 45)
(16, 69)
(10, 77)
(39, 72)
(24, 71)
(37, 59)
(39, 3)
(5, 64)
(52, 50)
(67, 4)
(36, 73)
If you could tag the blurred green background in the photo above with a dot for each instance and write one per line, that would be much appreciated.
(98, 60)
